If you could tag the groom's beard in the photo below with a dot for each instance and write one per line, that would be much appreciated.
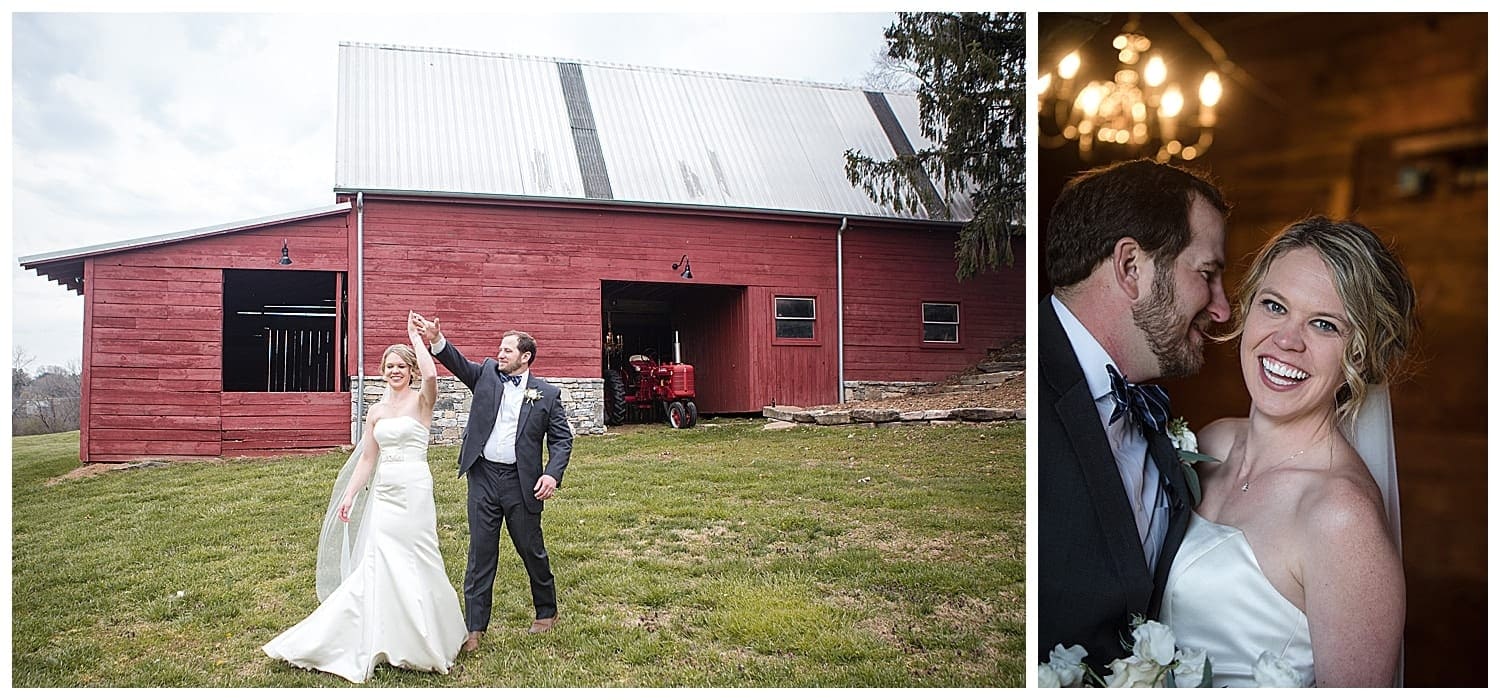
(1176, 351)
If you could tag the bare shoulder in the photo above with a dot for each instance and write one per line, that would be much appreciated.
(1216, 438)
(377, 412)
(1343, 506)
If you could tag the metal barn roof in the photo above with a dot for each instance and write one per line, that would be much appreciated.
(436, 121)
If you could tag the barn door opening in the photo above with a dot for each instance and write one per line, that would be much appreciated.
(283, 331)
(650, 319)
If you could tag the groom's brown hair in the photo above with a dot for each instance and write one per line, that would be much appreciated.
(1139, 199)
(524, 343)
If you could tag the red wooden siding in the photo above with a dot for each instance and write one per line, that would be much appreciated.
(715, 338)
(887, 276)
(154, 317)
(484, 268)
(280, 422)
(153, 340)
(795, 372)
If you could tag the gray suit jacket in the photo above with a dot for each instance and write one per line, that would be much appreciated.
(542, 418)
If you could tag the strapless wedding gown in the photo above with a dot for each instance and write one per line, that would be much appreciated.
(1218, 599)
(397, 605)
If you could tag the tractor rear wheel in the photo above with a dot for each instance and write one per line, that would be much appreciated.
(677, 415)
(692, 414)
(614, 398)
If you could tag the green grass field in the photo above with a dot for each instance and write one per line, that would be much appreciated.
(724, 556)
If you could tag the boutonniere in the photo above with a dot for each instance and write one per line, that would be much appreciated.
(1186, 444)
(532, 395)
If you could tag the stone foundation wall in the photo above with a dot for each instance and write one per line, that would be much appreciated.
(864, 391)
(582, 397)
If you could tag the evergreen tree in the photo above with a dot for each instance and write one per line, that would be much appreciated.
(971, 73)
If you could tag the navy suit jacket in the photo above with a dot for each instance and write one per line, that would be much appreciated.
(541, 419)
(1091, 565)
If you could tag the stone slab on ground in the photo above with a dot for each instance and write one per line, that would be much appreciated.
(782, 413)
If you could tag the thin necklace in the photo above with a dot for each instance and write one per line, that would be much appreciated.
(1245, 487)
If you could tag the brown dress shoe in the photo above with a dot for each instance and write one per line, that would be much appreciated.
(472, 643)
(542, 625)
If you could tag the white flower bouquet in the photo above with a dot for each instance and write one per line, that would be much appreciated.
(1155, 661)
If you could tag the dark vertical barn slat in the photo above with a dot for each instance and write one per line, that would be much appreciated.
(931, 200)
(585, 136)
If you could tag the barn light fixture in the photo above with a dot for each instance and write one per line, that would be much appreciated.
(687, 267)
(1141, 105)
(286, 258)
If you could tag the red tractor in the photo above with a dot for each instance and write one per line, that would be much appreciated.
(644, 384)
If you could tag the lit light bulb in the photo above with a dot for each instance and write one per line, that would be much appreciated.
(1211, 89)
(1120, 41)
(1156, 71)
(1171, 102)
(1068, 66)
(1089, 99)
(1043, 84)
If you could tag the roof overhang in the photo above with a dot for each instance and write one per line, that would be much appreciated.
(65, 267)
(625, 205)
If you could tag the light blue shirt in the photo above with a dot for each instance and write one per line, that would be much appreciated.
(1148, 504)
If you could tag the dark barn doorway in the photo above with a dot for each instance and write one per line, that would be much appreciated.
(284, 330)
(655, 320)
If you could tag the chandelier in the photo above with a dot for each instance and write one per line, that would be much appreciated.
(1143, 105)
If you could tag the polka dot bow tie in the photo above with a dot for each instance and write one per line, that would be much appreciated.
(1147, 403)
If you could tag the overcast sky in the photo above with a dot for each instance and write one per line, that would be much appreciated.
(132, 125)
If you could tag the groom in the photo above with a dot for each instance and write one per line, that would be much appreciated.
(1135, 253)
(512, 411)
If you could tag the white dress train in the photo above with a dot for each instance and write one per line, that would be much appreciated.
(397, 605)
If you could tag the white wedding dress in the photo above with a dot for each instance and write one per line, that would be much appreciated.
(396, 605)
(1217, 599)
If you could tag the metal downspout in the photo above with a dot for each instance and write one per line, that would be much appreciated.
(843, 226)
(359, 296)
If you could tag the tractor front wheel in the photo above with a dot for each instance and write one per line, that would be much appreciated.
(614, 398)
(677, 415)
(692, 414)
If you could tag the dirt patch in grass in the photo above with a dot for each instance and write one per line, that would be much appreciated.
(97, 468)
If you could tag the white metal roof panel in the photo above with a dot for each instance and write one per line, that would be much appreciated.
(439, 121)
(446, 121)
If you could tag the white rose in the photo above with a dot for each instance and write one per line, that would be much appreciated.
(1068, 665)
(1272, 672)
(1182, 438)
(1156, 642)
(1190, 666)
(1046, 677)
(1132, 672)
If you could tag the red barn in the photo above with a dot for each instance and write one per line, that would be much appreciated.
(567, 199)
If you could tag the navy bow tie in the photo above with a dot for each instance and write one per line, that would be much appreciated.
(1147, 403)
(514, 379)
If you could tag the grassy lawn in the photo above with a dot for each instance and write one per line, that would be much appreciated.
(720, 556)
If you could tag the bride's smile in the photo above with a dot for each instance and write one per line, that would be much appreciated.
(397, 374)
(1295, 332)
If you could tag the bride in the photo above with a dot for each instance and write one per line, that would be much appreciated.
(1294, 550)
(385, 593)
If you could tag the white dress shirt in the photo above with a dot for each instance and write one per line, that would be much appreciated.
(501, 445)
(1137, 470)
